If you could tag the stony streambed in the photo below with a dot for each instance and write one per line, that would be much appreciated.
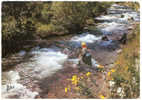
(39, 68)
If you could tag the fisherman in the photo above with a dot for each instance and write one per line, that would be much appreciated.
(85, 57)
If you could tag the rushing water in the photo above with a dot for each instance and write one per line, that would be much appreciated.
(13, 89)
(45, 62)
(86, 37)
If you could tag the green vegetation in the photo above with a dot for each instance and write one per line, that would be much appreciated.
(17, 25)
(23, 21)
(127, 75)
(68, 17)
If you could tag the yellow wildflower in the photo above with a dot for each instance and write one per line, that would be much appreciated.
(74, 80)
(74, 77)
(109, 73)
(66, 90)
(113, 70)
(88, 73)
(102, 97)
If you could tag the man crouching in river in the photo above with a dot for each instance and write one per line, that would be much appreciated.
(85, 56)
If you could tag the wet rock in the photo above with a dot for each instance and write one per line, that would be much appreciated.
(105, 38)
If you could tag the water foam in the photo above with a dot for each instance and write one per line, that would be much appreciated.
(86, 37)
(107, 17)
(15, 89)
(109, 28)
(47, 61)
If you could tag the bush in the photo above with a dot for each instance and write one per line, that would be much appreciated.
(23, 21)
(127, 75)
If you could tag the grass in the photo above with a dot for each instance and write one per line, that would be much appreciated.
(127, 75)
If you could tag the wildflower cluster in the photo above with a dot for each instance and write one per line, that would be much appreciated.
(110, 73)
(127, 65)
(68, 88)
(88, 74)
(75, 80)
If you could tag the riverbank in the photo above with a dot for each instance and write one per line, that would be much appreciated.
(127, 75)
(51, 70)
(92, 84)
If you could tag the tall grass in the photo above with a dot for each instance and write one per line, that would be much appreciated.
(127, 75)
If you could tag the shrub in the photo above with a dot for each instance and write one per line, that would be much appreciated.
(127, 75)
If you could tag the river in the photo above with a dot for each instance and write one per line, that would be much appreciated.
(44, 61)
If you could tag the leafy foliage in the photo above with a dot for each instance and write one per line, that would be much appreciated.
(17, 24)
(27, 20)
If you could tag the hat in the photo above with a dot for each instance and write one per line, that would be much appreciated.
(83, 44)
